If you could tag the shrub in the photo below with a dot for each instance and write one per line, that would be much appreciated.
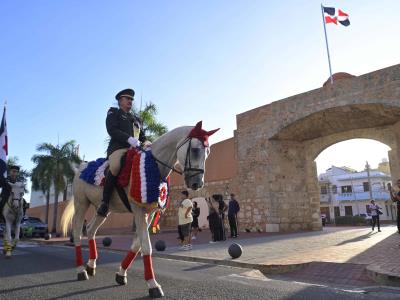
(351, 220)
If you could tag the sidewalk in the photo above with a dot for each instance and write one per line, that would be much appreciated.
(345, 254)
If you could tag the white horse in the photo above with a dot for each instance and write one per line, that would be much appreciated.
(13, 212)
(186, 146)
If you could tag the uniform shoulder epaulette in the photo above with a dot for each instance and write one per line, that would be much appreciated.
(112, 110)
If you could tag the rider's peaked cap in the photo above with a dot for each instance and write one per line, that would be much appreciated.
(125, 93)
(14, 168)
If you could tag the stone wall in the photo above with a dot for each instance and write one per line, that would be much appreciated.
(277, 144)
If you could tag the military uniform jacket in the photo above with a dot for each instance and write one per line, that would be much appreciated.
(120, 126)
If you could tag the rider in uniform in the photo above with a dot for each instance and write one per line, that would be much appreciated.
(124, 130)
(6, 187)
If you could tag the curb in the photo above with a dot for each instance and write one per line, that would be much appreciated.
(386, 278)
(266, 269)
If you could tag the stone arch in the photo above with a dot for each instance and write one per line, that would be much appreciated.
(277, 144)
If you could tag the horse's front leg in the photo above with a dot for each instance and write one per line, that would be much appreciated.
(7, 240)
(17, 230)
(91, 234)
(16, 237)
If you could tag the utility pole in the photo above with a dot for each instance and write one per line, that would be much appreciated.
(369, 181)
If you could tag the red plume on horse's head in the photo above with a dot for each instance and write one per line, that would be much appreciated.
(199, 133)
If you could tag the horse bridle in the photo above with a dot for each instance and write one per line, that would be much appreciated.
(188, 164)
(10, 203)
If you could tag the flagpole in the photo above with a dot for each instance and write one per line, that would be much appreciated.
(326, 41)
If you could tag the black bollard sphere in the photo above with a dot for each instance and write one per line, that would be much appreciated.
(47, 236)
(107, 241)
(160, 245)
(235, 250)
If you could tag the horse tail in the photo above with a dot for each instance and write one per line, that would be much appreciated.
(67, 217)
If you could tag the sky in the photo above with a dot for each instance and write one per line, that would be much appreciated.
(62, 62)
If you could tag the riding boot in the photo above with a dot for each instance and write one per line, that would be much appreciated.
(107, 192)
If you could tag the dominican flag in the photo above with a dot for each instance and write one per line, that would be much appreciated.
(335, 16)
(3, 145)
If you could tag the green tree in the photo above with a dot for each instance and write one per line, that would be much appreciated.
(151, 127)
(56, 165)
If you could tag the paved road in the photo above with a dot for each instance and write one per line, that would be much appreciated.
(44, 272)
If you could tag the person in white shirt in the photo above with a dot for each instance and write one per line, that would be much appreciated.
(185, 220)
(375, 212)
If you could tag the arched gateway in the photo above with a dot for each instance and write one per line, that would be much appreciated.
(276, 145)
(269, 163)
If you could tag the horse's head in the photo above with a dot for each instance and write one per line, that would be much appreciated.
(17, 191)
(192, 154)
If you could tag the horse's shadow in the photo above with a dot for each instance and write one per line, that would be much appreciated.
(77, 293)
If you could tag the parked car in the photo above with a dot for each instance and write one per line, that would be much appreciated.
(367, 218)
(2, 229)
(33, 226)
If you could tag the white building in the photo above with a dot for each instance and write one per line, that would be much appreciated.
(38, 198)
(346, 192)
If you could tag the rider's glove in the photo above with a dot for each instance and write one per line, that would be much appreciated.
(147, 144)
(133, 142)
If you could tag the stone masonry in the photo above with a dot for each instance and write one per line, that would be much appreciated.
(277, 144)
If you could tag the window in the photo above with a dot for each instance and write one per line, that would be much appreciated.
(334, 189)
(366, 186)
(337, 211)
(347, 189)
(324, 190)
(348, 210)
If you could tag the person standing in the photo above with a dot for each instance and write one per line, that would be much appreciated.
(185, 220)
(214, 220)
(195, 223)
(222, 208)
(375, 212)
(396, 198)
(233, 209)
(124, 130)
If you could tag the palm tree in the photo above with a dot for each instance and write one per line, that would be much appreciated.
(151, 127)
(56, 166)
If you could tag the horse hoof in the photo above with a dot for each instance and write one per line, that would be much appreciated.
(156, 292)
(121, 280)
(83, 276)
(91, 271)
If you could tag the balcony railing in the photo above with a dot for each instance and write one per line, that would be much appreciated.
(377, 195)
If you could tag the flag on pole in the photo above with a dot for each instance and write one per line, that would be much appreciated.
(335, 16)
(3, 145)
